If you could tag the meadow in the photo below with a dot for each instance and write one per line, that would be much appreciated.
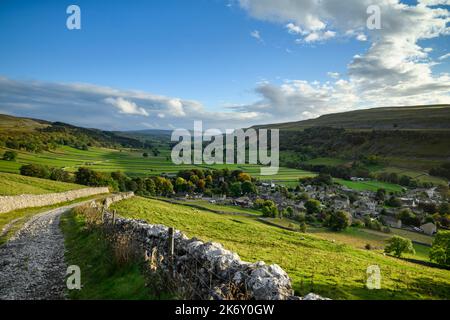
(13, 184)
(132, 163)
(331, 268)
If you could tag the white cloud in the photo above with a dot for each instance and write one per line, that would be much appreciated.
(395, 70)
(255, 34)
(334, 75)
(108, 108)
(126, 107)
(293, 29)
(445, 56)
(175, 108)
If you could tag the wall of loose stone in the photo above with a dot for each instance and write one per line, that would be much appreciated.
(199, 270)
(10, 203)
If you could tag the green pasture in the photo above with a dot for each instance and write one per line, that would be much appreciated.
(330, 268)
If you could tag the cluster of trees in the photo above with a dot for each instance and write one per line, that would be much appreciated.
(337, 220)
(323, 179)
(267, 207)
(9, 156)
(234, 183)
(437, 214)
(440, 250)
(441, 171)
(403, 180)
(45, 172)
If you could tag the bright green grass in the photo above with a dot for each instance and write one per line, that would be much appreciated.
(101, 276)
(13, 184)
(130, 162)
(370, 185)
(359, 238)
(421, 176)
(222, 208)
(316, 265)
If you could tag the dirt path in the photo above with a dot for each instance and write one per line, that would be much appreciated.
(32, 262)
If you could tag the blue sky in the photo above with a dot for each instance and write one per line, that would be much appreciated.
(232, 63)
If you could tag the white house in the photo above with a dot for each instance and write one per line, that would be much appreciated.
(429, 228)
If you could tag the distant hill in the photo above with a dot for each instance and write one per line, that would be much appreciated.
(432, 117)
(36, 135)
(157, 138)
(415, 137)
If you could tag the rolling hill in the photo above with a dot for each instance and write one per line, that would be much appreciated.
(37, 135)
(409, 137)
(432, 117)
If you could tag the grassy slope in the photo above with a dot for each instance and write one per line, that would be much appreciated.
(101, 277)
(12, 184)
(331, 269)
(415, 117)
(132, 163)
(370, 185)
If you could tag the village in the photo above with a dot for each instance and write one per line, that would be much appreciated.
(378, 210)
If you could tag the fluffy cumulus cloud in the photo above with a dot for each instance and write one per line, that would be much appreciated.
(126, 107)
(109, 108)
(395, 70)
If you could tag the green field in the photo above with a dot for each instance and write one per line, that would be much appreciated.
(131, 163)
(13, 184)
(370, 185)
(334, 270)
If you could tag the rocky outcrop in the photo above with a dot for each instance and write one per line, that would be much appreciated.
(10, 203)
(199, 270)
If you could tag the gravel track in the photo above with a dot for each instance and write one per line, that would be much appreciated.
(32, 265)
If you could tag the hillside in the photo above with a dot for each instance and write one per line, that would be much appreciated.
(407, 137)
(327, 267)
(38, 135)
(432, 117)
(13, 184)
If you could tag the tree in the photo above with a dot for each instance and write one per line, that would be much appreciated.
(201, 184)
(180, 184)
(10, 156)
(236, 189)
(145, 155)
(406, 216)
(312, 206)
(444, 208)
(244, 177)
(339, 220)
(398, 246)
(394, 202)
(92, 178)
(381, 195)
(248, 187)
(440, 250)
(35, 170)
(269, 209)
(150, 186)
(59, 174)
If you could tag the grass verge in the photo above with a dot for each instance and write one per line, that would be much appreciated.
(11, 222)
(102, 277)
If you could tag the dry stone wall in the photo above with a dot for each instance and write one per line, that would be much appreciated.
(199, 270)
(10, 203)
